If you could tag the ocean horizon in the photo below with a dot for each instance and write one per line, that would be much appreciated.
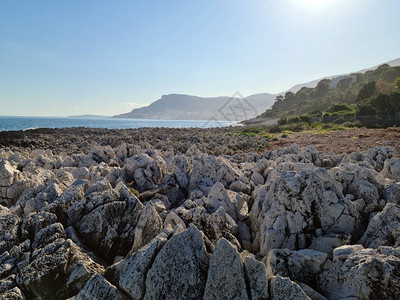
(15, 123)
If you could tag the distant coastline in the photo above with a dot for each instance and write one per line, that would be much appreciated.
(89, 116)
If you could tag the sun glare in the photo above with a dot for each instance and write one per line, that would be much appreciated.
(313, 4)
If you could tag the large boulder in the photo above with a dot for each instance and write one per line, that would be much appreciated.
(208, 170)
(180, 268)
(361, 274)
(101, 154)
(41, 196)
(72, 194)
(132, 271)
(9, 231)
(35, 222)
(181, 170)
(383, 229)
(391, 193)
(13, 294)
(379, 155)
(284, 288)
(98, 287)
(56, 267)
(220, 224)
(105, 221)
(7, 173)
(148, 226)
(256, 276)
(147, 171)
(299, 206)
(218, 197)
(303, 265)
(362, 184)
(391, 169)
(226, 278)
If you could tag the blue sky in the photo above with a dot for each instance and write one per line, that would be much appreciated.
(61, 58)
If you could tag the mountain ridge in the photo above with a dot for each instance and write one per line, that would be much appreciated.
(237, 108)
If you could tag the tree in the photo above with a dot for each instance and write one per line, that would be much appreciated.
(367, 91)
(386, 103)
(344, 83)
(359, 77)
(389, 75)
(397, 83)
(382, 86)
(322, 87)
(335, 107)
(365, 109)
(290, 99)
(278, 102)
(303, 93)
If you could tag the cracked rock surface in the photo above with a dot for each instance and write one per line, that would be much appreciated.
(153, 220)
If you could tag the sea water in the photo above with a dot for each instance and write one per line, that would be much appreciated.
(24, 123)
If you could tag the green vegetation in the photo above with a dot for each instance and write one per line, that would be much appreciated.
(258, 131)
(252, 131)
(397, 84)
(376, 92)
(269, 132)
(134, 191)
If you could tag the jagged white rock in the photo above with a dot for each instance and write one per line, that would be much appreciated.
(225, 274)
(180, 268)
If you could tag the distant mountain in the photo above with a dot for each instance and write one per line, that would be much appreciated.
(87, 117)
(394, 62)
(185, 107)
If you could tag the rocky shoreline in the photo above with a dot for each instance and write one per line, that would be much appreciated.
(195, 214)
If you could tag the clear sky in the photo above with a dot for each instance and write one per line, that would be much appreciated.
(60, 58)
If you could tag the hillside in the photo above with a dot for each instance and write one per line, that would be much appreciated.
(360, 93)
(313, 83)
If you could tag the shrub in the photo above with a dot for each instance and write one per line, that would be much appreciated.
(275, 129)
(282, 121)
(295, 127)
(338, 106)
(315, 113)
(349, 124)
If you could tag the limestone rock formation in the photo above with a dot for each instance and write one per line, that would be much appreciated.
(303, 265)
(226, 274)
(148, 226)
(98, 287)
(133, 270)
(362, 274)
(384, 228)
(296, 206)
(256, 276)
(105, 221)
(180, 268)
(284, 288)
(292, 223)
